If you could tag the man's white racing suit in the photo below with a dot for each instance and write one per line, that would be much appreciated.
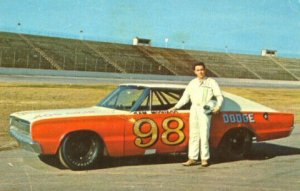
(200, 92)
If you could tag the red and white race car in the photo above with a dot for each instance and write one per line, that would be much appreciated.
(134, 120)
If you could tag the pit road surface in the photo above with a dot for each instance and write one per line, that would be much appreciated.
(273, 165)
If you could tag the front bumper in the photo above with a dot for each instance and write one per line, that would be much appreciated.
(25, 141)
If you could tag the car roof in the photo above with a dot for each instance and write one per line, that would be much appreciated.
(234, 102)
(153, 85)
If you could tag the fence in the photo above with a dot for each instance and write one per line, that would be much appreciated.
(115, 59)
(28, 58)
(79, 60)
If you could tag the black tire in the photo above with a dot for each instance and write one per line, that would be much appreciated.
(50, 160)
(236, 144)
(80, 151)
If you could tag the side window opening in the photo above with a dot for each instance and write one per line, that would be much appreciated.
(165, 99)
(162, 99)
(145, 105)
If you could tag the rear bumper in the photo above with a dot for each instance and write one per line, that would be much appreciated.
(293, 127)
(25, 141)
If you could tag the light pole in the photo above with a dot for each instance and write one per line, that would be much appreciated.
(81, 34)
(166, 42)
(19, 27)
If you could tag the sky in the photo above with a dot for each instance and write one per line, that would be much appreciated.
(233, 26)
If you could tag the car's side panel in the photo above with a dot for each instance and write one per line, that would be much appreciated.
(277, 125)
(50, 132)
(125, 135)
(156, 132)
(265, 126)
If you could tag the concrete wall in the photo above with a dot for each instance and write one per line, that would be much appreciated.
(145, 77)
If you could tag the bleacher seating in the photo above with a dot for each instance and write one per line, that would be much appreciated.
(293, 65)
(265, 67)
(28, 51)
(222, 64)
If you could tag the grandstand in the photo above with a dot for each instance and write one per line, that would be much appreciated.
(28, 51)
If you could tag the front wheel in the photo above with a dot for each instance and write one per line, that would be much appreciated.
(236, 144)
(79, 151)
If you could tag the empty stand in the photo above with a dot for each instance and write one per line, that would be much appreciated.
(41, 52)
(293, 65)
(157, 58)
(264, 67)
(130, 58)
(222, 64)
(105, 57)
(28, 51)
(291, 72)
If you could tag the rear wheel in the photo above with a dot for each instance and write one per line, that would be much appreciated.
(236, 144)
(80, 150)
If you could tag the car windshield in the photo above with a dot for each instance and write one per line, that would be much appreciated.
(123, 98)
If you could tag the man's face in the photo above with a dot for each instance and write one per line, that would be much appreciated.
(200, 72)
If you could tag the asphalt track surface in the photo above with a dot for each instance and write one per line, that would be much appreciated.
(76, 80)
(97, 80)
(273, 165)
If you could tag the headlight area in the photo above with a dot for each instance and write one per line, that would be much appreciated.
(20, 130)
(20, 124)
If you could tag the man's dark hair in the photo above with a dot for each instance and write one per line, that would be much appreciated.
(198, 64)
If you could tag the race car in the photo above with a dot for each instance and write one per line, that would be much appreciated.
(134, 120)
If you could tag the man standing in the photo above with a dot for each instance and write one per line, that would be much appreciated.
(200, 91)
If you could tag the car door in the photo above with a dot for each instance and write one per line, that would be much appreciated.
(152, 129)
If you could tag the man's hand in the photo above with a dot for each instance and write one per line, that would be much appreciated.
(216, 110)
(172, 109)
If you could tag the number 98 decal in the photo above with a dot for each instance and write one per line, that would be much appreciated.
(147, 139)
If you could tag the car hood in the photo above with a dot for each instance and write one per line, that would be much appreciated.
(32, 116)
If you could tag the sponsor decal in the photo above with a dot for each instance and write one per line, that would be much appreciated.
(154, 112)
(150, 151)
(149, 138)
(239, 118)
(162, 112)
(140, 112)
(64, 113)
